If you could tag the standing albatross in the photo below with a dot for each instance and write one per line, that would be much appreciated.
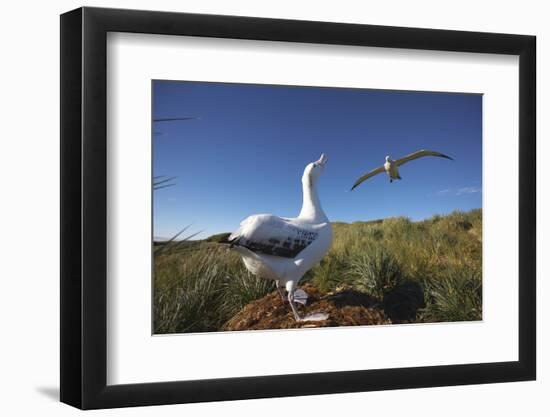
(284, 249)
(390, 166)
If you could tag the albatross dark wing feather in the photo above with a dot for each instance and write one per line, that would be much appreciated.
(272, 235)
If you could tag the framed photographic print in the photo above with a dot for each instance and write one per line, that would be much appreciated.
(257, 208)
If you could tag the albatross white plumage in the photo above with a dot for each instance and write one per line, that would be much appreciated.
(390, 166)
(284, 249)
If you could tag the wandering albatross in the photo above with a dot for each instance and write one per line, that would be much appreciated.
(284, 249)
(390, 166)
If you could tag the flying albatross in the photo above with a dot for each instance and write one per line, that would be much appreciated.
(390, 166)
(284, 249)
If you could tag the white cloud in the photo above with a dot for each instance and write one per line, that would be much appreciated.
(459, 191)
(468, 190)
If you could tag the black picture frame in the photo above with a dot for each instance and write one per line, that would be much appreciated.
(84, 207)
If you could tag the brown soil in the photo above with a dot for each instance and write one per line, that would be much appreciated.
(345, 307)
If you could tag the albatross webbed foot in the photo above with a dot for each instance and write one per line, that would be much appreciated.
(300, 296)
(315, 317)
(309, 317)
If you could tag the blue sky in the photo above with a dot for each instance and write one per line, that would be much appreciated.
(247, 151)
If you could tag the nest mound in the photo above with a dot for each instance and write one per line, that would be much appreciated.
(345, 307)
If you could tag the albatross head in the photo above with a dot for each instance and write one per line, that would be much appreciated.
(314, 170)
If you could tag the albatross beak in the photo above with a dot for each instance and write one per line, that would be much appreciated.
(322, 160)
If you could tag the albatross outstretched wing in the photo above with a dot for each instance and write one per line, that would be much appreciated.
(272, 235)
(378, 170)
(420, 154)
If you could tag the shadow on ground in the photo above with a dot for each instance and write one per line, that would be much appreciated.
(50, 392)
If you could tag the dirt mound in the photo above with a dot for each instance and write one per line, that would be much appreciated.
(345, 307)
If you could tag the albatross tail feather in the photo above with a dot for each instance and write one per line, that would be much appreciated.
(251, 258)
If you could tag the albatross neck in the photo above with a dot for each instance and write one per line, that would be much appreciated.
(311, 206)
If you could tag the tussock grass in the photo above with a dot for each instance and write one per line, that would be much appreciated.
(241, 289)
(456, 296)
(376, 272)
(199, 286)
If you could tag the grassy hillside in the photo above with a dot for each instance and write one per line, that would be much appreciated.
(200, 286)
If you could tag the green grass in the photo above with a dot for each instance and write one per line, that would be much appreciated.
(375, 272)
(200, 285)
